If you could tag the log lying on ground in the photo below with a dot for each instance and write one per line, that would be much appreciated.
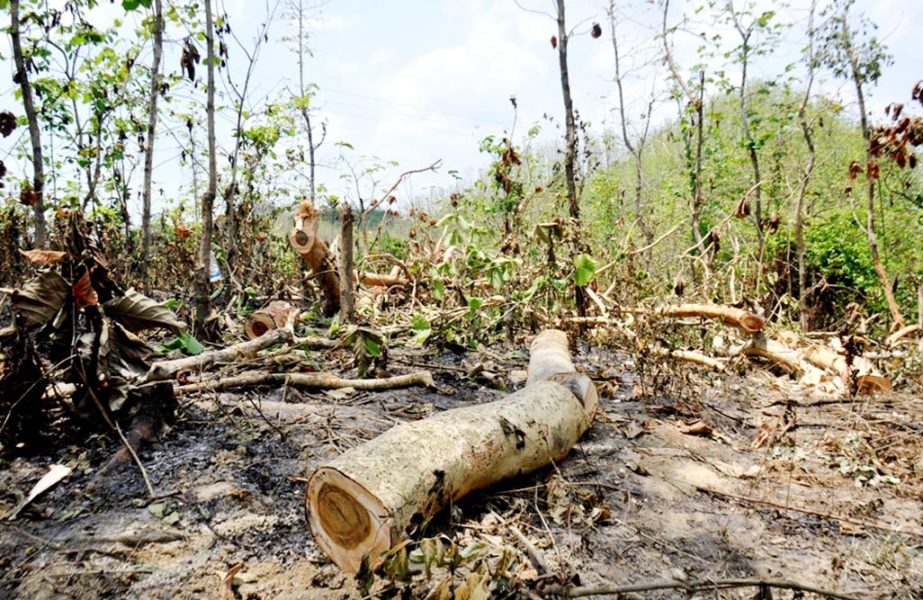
(378, 279)
(303, 238)
(319, 381)
(272, 316)
(741, 319)
(363, 502)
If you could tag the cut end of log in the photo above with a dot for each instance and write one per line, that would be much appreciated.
(273, 316)
(751, 323)
(348, 522)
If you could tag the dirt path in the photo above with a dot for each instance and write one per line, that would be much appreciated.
(662, 488)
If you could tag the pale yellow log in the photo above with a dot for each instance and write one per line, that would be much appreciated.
(366, 500)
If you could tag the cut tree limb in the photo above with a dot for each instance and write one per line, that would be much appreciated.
(895, 338)
(321, 381)
(692, 357)
(741, 319)
(777, 353)
(313, 250)
(363, 502)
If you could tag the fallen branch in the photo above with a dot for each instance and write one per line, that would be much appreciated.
(809, 511)
(320, 381)
(702, 586)
(900, 334)
(365, 501)
(692, 357)
(776, 352)
(167, 369)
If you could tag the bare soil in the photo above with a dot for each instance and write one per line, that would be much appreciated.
(665, 485)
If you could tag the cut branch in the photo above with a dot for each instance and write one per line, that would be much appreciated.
(167, 369)
(741, 319)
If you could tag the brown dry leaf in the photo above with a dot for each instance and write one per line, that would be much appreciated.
(44, 257)
(227, 583)
(40, 298)
(742, 210)
(84, 294)
(698, 427)
(137, 312)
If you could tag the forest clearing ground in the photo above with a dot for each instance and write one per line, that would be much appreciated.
(658, 488)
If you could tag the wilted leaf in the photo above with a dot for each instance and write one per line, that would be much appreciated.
(554, 41)
(84, 293)
(137, 312)
(54, 476)
(44, 257)
(742, 210)
(40, 298)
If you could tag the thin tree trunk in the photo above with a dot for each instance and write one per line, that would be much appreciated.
(805, 178)
(347, 300)
(636, 151)
(698, 199)
(38, 170)
(570, 147)
(857, 78)
(149, 146)
(305, 112)
(203, 284)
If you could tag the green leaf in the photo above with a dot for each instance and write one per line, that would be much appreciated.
(185, 342)
(373, 347)
(584, 269)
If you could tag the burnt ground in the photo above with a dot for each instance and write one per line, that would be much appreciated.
(693, 476)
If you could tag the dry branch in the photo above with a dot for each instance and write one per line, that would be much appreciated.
(692, 357)
(363, 502)
(900, 334)
(321, 381)
(776, 352)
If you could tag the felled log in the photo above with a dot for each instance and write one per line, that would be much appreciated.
(272, 316)
(313, 250)
(362, 503)
(318, 381)
(741, 319)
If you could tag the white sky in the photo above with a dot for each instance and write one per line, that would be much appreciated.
(419, 80)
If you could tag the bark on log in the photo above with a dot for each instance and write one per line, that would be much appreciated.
(743, 320)
(273, 316)
(313, 250)
(363, 502)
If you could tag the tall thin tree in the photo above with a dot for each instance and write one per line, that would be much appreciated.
(38, 171)
(203, 282)
(811, 59)
(570, 146)
(151, 136)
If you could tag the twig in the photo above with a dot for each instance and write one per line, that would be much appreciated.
(808, 511)
(701, 586)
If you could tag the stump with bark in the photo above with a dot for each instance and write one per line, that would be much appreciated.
(362, 503)
(313, 250)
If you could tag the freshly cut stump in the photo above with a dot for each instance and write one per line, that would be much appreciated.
(365, 501)
(273, 316)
